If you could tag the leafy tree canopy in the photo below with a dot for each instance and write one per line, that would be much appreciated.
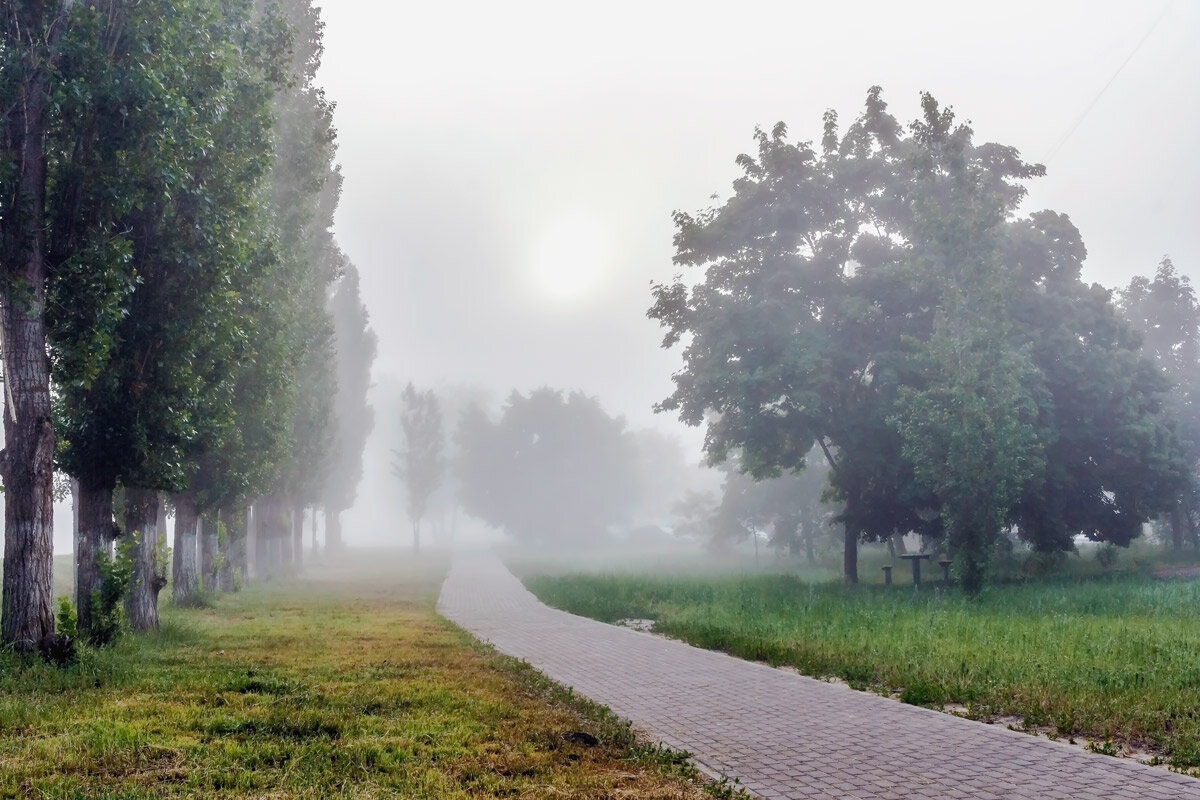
(849, 294)
(553, 468)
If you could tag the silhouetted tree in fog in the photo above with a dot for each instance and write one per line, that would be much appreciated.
(355, 344)
(550, 469)
(420, 462)
(1166, 312)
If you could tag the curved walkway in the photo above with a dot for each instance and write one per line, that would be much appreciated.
(782, 735)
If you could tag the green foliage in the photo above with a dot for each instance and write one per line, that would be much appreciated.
(108, 602)
(1166, 312)
(66, 620)
(881, 297)
(144, 331)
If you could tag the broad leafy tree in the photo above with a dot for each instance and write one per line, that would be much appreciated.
(550, 469)
(843, 287)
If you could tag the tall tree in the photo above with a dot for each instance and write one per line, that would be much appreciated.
(420, 460)
(157, 391)
(1165, 310)
(355, 344)
(29, 58)
(305, 187)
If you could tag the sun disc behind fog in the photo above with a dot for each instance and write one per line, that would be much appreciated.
(569, 259)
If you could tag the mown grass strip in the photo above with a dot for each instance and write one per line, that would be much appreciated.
(1113, 660)
(344, 685)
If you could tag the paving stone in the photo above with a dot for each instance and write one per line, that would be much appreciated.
(782, 735)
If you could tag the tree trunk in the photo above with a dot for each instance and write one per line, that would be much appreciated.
(416, 536)
(314, 529)
(26, 464)
(239, 570)
(252, 537)
(74, 526)
(184, 559)
(850, 554)
(141, 515)
(298, 536)
(208, 551)
(333, 530)
(224, 553)
(281, 533)
(1177, 528)
(262, 559)
(95, 530)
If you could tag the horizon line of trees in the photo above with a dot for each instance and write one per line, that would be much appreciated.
(178, 320)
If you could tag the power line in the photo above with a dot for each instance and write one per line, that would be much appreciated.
(1079, 120)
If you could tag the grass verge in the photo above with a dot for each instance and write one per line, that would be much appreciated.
(1114, 660)
(344, 684)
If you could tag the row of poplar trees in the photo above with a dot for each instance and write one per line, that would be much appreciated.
(178, 320)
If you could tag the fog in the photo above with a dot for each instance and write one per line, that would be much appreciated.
(510, 170)
(476, 139)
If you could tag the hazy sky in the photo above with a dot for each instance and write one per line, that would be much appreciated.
(510, 168)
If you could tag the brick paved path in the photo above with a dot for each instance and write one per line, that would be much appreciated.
(782, 735)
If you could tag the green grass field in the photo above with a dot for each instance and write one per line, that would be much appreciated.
(1115, 660)
(344, 684)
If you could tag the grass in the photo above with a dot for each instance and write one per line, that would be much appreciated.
(342, 685)
(1115, 660)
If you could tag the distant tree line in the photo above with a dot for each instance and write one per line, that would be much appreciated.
(179, 326)
(551, 468)
(878, 296)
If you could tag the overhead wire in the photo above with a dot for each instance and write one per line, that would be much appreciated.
(1083, 115)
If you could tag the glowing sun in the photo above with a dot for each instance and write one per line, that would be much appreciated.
(569, 258)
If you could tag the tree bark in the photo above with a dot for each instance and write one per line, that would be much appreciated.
(95, 530)
(141, 515)
(31, 32)
(314, 529)
(298, 536)
(208, 551)
(184, 559)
